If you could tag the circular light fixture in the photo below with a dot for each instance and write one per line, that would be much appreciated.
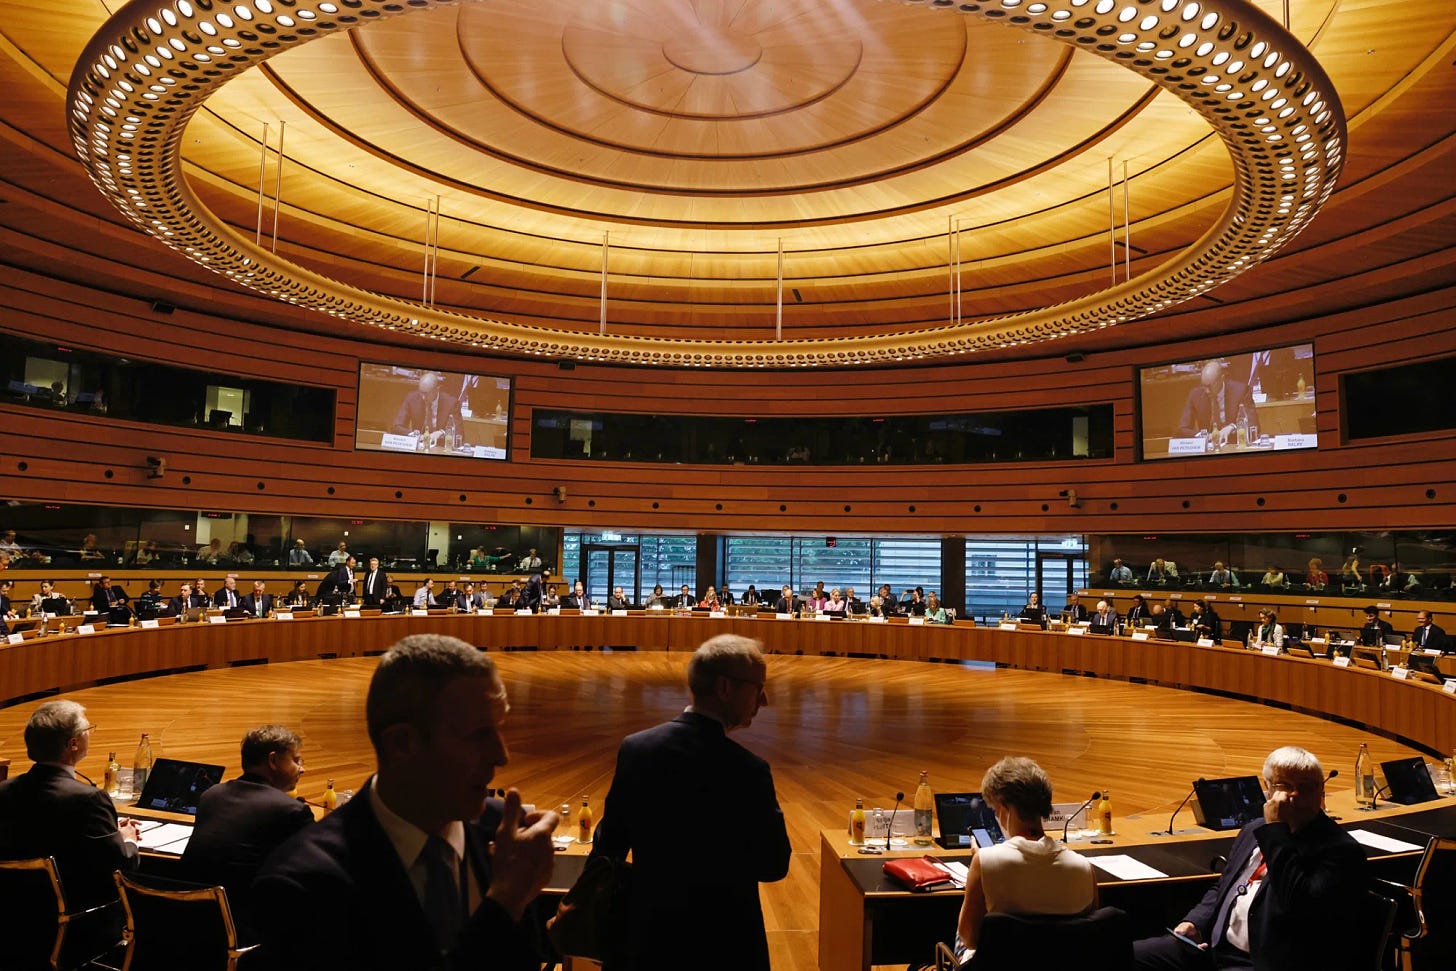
(138, 166)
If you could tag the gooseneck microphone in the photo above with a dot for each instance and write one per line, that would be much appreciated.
(1068, 824)
(1169, 830)
(899, 798)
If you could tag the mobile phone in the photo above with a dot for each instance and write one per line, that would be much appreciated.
(1186, 939)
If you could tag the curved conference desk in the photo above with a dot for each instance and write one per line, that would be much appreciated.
(1422, 715)
(863, 919)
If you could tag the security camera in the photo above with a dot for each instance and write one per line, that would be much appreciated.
(1071, 496)
(560, 492)
(156, 467)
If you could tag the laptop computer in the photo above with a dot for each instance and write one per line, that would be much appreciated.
(175, 786)
(1228, 803)
(59, 606)
(1409, 781)
(966, 821)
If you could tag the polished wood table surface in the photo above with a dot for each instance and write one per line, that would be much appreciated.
(1422, 714)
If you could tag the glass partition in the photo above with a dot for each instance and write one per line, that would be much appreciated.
(1049, 434)
(55, 377)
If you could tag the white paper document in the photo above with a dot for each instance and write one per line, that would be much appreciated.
(1124, 867)
(1377, 842)
(166, 837)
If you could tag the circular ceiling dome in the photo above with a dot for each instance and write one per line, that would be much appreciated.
(714, 183)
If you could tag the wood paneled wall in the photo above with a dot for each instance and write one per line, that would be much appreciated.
(1402, 483)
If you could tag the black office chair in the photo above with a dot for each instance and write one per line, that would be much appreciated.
(171, 925)
(1410, 917)
(1375, 925)
(1099, 941)
(40, 930)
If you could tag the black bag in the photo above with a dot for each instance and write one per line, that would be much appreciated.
(592, 921)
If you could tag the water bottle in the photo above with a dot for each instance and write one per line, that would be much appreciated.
(1365, 776)
(142, 764)
(924, 810)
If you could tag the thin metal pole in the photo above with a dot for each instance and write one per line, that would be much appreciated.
(278, 185)
(1286, 14)
(779, 313)
(959, 290)
(434, 256)
(950, 268)
(1111, 223)
(262, 172)
(1126, 224)
(606, 245)
(425, 271)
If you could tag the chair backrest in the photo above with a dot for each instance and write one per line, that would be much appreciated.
(32, 924)
(1376, 920)
(170, 924)
(1099, 941)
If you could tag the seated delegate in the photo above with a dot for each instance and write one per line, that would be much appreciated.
(1267, 632)
(1030, 873)
(934, 612)
(1033, 612)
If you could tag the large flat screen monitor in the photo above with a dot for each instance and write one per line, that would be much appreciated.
(404, 409)
(1233, 404)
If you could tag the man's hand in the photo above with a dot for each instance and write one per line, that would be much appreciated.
(1189, 931)
(1277, 809)
(130, 830)
(521, 855)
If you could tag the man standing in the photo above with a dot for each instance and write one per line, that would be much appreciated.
(49, 812)
(710, 912)
(416, 871)
(343, 577)
(240, 822)
(1289, 893)
(376, 584)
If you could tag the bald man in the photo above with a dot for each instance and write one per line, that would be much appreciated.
(427, 411)
(1214, 405)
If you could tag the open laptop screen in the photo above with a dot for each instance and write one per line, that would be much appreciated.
(1409, 781)
(175, 786)
(1229, 803)
(965, 817)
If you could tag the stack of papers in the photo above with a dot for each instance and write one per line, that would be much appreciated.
(162, 837)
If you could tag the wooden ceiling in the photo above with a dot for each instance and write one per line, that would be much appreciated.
(702, 135)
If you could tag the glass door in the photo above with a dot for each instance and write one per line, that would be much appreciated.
(607, 566)
(1056, 579)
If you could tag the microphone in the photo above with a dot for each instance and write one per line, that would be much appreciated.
(1169, 830)
(1333, 773)
(899, 798)
(1067, 825)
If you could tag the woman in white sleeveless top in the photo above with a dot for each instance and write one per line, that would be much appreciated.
(1030, 873)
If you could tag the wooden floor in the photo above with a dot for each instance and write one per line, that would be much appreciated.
(835, 729)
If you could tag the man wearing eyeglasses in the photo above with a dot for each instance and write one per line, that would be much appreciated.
(1290, 894)
(49, 811)
(675, 909)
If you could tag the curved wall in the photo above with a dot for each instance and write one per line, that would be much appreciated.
(1407, 482)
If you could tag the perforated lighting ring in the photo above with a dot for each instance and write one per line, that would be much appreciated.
(155, 62)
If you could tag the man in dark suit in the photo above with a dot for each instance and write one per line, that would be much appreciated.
(1075, 610)
(710, 913)
(1289, 894)
(105, 598)
(240, 822)
(259, 603)
(427, 412)
(228, 596)
(1137, 614)
(185, 599)
(49, 812)
(375, 587)
(405, 875)
(1427, 636)
(343, 577)
(790, 604)
(1213, 406)
(1377, 627)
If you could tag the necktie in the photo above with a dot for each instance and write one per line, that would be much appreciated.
(1424, 631)
(442, 891)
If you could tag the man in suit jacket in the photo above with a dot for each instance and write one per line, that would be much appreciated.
(1427, 635)
(228, 596)
(375, 586)
(1137, 614)
(426, 411)
(790, 604)
(710, 913)
(105, 597)
(1213, 406)
(406, 875)
(343, 577)
(259, 603)
(241, 821)
(185, 599)
(1288, 894)
(49, 812)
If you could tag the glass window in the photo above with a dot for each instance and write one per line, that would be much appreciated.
(1001, 572)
